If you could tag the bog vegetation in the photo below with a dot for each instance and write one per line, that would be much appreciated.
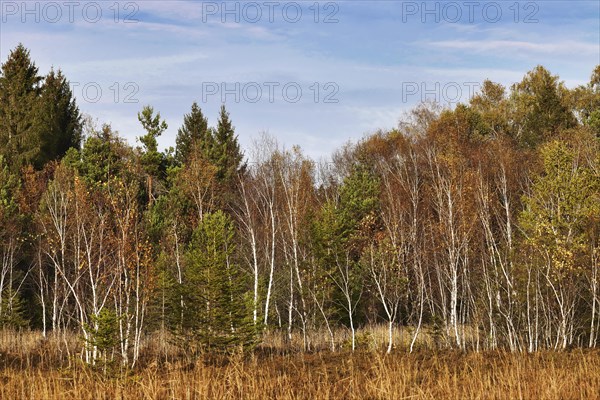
(472, 228)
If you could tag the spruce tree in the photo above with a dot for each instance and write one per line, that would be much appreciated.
(101, 157)
(19, 90)
(194, 135)
(39, 119)
(60, 120)
(226, 153)
(217, 312)
(12, 307)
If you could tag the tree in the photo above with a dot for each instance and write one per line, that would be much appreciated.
(450, 232)
(397, 270)
(133, 263)
(389, 279)
(265, 203)
(540, 107)
(492, 104)
(294, 178)
(60, 121)
(151, 159)
(196, 180)
(101, 158)
(562, 203)
(342, 232)
(103, 335)
(11, 238)
(587, 102)
(217, 313)
(226, 154)
(39, 119)
(19, 128)
(193, 136)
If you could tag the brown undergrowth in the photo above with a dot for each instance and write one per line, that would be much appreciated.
(33, 368)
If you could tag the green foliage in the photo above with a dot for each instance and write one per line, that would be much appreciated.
(593, 121)
(101, 158)
(9, 186)
(540, 107)
(194, 135)
(19, 90)
(561, 205)
(39, 119)
(103, 335)
(151, 158)
(216, 313)
(126, 195)
(341, 231)
(226, 154)
(492, 105)
(463, 124)
(60, 121)
(586, 102)
(103, 330)
(358, 205)
(12, 310)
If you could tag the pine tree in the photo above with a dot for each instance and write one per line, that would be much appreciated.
(193, 135)
(151, 159)
(19, 90)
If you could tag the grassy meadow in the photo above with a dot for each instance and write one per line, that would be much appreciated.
(32, 367)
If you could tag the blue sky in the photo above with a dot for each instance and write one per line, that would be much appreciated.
(359, 64)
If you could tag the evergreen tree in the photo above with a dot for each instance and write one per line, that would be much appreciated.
(60, 121)
(11, 237)
(39, 121)
(226, 153)
(359, 203)
(151, 159)
(193, 133)
(217, 312)
(101, 157)
(341, 232)
(19, 89)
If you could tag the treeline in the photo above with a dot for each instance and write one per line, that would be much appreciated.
(478, 225)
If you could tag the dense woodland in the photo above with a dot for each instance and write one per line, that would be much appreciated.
(478, 225)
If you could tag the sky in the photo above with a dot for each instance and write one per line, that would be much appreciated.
(309, 73)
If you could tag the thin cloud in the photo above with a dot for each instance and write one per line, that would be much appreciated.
(564, 47)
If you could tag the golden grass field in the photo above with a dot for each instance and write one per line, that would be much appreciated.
(32, 368)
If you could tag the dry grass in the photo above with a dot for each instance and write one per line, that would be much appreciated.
(36, 369)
